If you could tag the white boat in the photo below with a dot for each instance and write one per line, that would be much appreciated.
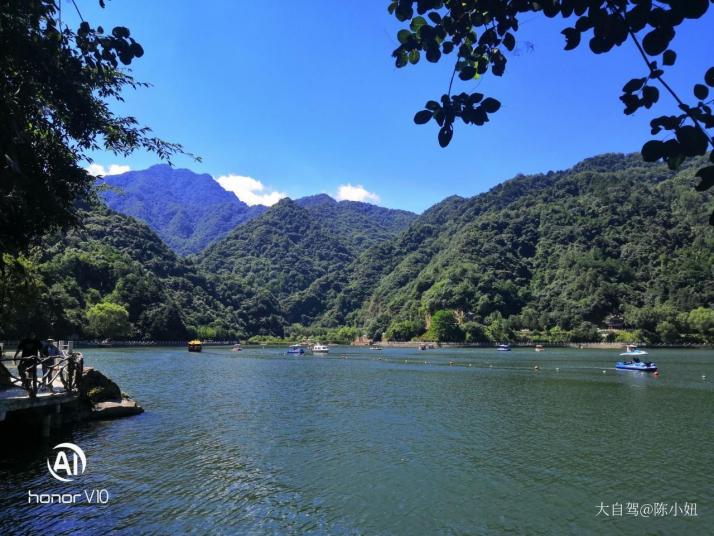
(504, 347)
(320, 349)
(632, 350)
(539, 348)
(236, 348)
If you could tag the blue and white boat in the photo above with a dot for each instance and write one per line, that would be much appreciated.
(633, 351)
(636, 364)
(504, 347)
(296, 349)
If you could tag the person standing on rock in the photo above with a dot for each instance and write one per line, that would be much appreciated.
(30, 348)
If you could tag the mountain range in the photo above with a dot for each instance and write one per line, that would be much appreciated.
(187, 210)
(190, 211)
(553, 253)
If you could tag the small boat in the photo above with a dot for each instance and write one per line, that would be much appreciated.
(636, 364)
(106, 343)
(296, 349)
(422, 347)
(376, 348)
(320, 349)
(195, 345)
(236, 348)
(504, 347)
(539, 348)
(632, 350)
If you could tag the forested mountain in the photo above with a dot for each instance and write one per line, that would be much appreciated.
(282, 252)
(191, 211)
(611, 236)
(114, 270)
(611, 241)
(361, 225)
(187, 210)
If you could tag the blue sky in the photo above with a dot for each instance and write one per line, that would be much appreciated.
(299, 98)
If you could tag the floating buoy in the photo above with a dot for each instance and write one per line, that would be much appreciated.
(469, 364)
(557, 369)
(604, 372)
(536, 367)
(704, 376)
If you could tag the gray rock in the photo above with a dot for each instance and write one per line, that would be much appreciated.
(114, 409)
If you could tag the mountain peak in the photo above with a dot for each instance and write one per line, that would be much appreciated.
(315, 200)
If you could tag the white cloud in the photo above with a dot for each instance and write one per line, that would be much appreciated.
(113, 169)
(347, 192)
(249, 190)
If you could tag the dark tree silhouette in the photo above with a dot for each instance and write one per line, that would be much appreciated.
(55, 85)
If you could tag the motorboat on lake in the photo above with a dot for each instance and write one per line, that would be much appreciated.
(636, 364)
(320, 349)
(539, 348)
(376, 348)
(504, 347)
(296, 349)
(633, 351)
(195, 345)
(236, 348)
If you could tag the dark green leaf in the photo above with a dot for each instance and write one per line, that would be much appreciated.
(509, 41)
(707, 176)
(490, 105)
(445, 134)
(424, 116)
(417, 22)
(669, 57)
(572, 38)
(652, 151)
(650, 94)
(694, 142)
(709, 77)
(634, 85)
(657, 41)
(701, 91)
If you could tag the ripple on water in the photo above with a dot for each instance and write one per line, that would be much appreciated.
(264, 444)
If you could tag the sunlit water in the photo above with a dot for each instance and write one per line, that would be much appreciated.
(391, 442)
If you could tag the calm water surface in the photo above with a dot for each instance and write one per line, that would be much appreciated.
(383, 443)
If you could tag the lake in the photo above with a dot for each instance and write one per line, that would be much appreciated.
(391, 442)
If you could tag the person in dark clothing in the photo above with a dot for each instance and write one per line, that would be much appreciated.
(29, 348)
(49, 353)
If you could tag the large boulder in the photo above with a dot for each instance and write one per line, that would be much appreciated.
(103, 399)
(96, 387)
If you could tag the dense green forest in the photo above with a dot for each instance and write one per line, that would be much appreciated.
(550, 257)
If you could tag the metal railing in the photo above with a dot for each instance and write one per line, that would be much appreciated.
(67, 366)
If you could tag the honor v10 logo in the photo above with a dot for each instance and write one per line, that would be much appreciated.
(70, 461)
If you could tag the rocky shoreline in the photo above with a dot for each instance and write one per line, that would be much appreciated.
(100, 398)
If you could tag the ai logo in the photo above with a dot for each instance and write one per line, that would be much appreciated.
(69, 466)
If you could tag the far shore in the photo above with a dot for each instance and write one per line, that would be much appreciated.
(9, 346)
